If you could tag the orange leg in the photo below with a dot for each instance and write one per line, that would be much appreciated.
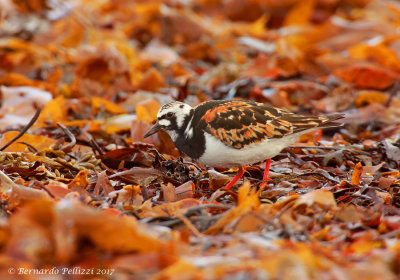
(237, 177)
(266, 171)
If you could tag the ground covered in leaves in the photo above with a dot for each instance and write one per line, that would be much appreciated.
(83, 195)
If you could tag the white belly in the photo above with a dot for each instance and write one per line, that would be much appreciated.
(218, 154)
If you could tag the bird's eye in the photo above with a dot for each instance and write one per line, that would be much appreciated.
(169, 115)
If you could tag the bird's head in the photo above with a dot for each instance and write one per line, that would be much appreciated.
(171, 118)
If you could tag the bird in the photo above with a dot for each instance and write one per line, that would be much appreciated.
(235, 133)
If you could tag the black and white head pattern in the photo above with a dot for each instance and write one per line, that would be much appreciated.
(173, 117)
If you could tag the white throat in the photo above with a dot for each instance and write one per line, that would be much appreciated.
(173, 135)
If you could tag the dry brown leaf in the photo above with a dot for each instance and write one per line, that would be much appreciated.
(103, 183)
(169, 192)
(185, 190)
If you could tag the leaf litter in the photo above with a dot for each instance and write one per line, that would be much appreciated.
(81, 187)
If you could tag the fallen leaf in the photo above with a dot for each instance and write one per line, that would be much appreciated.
(109, 106)
(39, 142)
(55, 111)
(369, 97)
(366, 77)
(247, 201)
(103, 183)
(19, 104)
(80, 181)
(355, 177)
(169, 192)
(300, 13)
(185, 190)
(147, 110)
(152, 80)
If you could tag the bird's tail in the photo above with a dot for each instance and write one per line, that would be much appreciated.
(330, 121)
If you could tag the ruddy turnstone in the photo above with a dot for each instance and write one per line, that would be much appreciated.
(233, 133)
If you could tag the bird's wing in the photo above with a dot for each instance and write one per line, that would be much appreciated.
(240, 123)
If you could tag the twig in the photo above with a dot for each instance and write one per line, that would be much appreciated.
(43, 187)
(189, 225)
(321, 173)
(70, 136)
(174, 221)
(33, 149)
(96, 147)
(192, 210)
(89, 138)
(25, 129)
(393, 92)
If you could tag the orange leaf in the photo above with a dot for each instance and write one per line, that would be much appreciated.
(15, 80)
(322, 198)
(52, 229)
(55, 111)
(112, 211)
(181, 269)
(80, 180)
(147, 110)
(151, 81)
(363, 246)
(369, 97)
(109, 106)
(366, 77)
(97, 69)
(58, 189)
(355, 178)
(129, 195)
(384, 55)
(39, 142)
(311, 137)
(247, 201)
(300, 13)
(74, 34)
(171, 209)
(31, 5)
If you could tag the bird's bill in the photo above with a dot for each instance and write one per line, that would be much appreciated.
(154, 129)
